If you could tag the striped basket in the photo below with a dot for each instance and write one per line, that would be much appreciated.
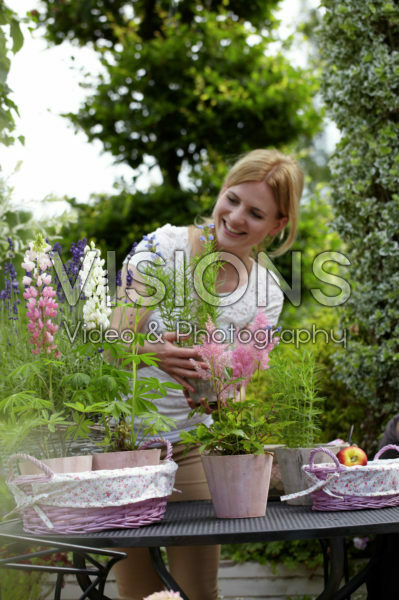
(92, 500)
(337, 487)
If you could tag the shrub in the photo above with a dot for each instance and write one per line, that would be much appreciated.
(359, 42)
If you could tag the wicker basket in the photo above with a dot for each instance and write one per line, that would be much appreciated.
(92, 500)
(337, 487)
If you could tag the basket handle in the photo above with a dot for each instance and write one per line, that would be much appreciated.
(384, 448)
(326, 451)
(166, 443)
(20, 456)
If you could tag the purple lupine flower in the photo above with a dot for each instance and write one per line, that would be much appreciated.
(57, 248)
(119, 278)
(7, 289)
(11, 247)
(129, 278)
(132, 250)
(9, 269)
(74, 264)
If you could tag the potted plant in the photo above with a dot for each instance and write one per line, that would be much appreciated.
(195, 279)
(292, 384)
(232, 448)
(113, 396)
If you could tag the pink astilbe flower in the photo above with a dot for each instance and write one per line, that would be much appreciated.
(247, 358)
(243, 361)
(41, 307)
(216, 356)
(167, 595)
(228, 367)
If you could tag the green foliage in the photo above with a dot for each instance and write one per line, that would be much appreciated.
(178, 93)
(10, 35)
(99, 20)
(291, 554)
(359, 42)
(32, 389)
(116, 222)
(238, 428)
(115, 397)
(183, 85)
(20, 226)
(21, 584)
(291, 387)
(314, 237)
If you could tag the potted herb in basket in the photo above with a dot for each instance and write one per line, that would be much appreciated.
(236, 463)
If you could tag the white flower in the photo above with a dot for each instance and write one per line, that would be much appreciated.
(93, 278)
(36, 259)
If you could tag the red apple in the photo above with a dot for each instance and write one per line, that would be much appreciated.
(351, 456)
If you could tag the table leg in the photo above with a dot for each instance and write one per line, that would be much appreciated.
(93, 589)
(337, 557)
(163, 572)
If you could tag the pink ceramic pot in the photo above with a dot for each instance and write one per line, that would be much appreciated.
(65, 464)
(126, 459)
(238, 484)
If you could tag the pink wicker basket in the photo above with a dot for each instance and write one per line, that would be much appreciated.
(337, 487)
(92, 500)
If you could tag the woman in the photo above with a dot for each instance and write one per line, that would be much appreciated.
(259, 198)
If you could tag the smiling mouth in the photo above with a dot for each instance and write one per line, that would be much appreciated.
(232, 231)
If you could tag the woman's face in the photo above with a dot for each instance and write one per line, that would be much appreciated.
(244, 215)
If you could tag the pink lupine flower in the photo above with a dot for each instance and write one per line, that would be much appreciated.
(39, 295)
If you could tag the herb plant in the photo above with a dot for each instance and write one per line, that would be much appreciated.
(292, 384)
(191, 280)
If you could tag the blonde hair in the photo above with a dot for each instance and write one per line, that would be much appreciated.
(285, 178)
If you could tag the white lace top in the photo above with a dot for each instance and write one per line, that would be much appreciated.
(240, 313)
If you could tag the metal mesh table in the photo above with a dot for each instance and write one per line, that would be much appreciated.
(194, 523)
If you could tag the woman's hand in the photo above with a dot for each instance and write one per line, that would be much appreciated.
(209, 407)
(175, 360)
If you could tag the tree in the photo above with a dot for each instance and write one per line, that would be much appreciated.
(9, 30)
(359, 41)
(186, 86)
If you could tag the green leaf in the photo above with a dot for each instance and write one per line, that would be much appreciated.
(16, 34)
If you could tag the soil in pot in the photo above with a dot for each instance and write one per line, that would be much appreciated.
(238, 484)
